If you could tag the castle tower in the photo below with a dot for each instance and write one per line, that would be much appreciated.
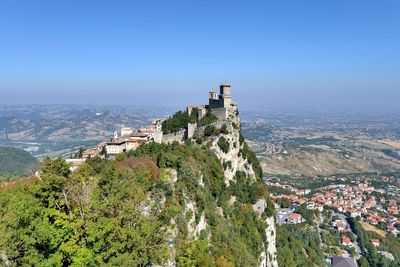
(214, 101)
(225, 90)
(189, 110)
(213, 95)
(225, 95)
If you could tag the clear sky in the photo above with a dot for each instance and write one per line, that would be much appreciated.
(274, 53)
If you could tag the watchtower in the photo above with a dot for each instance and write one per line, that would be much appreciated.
(213, 100)
(225, 90)
(223, 100)
(213, 95)
(225, 96)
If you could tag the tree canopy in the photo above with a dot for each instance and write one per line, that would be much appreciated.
(122, 212)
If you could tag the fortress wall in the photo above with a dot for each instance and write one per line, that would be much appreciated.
(174, 137)
(158, 137)
(199, 132)
(215, 103)
(220, 113)
(191, 130)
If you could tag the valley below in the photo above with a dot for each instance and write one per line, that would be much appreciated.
(315, 146)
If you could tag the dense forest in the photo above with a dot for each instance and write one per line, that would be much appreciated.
(133, 211)
(16, 162)
(298, 245)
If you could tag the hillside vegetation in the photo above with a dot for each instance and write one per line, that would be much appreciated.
(16, 162)
(158, 204)
(388, 243)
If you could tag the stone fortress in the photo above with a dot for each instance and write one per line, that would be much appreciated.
(221, 105)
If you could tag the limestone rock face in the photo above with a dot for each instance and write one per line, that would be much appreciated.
(237, 163)
(272, 260)
(233, 158)
(268, 258)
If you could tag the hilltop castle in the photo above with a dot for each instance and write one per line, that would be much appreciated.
(224, 100)
(219, 105)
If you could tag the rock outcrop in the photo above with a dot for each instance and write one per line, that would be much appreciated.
(234, 161)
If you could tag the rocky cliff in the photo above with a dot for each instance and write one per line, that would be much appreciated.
(234, 160)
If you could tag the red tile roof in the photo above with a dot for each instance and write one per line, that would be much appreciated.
(346, 240)
(294, 216)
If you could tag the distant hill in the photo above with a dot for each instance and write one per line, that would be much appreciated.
(15, 161)
(328, 159)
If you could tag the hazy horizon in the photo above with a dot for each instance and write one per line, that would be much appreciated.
(275, 55)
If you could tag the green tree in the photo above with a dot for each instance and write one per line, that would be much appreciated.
(80, 152)
(57, 167)
(179, 121)
(363, 262)
(195, 253)
(210, 130)
(209, 118)
(223, 144)
(224, 129)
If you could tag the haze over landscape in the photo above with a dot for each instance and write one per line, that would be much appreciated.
(200, 133)
(286, 54)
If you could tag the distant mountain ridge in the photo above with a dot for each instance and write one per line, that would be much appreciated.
(14, 161)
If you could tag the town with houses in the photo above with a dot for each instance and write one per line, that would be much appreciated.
(355, 200)
(376, 209)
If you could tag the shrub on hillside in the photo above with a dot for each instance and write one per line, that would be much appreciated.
(223, 144)
(135, 163)
(210, 130)
(208, 119)
(224, 129)
(178, 121)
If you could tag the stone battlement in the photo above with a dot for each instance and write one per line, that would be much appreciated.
(223, 100)
(219, 105)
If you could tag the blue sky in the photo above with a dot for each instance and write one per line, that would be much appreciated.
(274, 53)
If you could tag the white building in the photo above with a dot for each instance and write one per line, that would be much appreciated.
(126, 131)
(114, 148)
